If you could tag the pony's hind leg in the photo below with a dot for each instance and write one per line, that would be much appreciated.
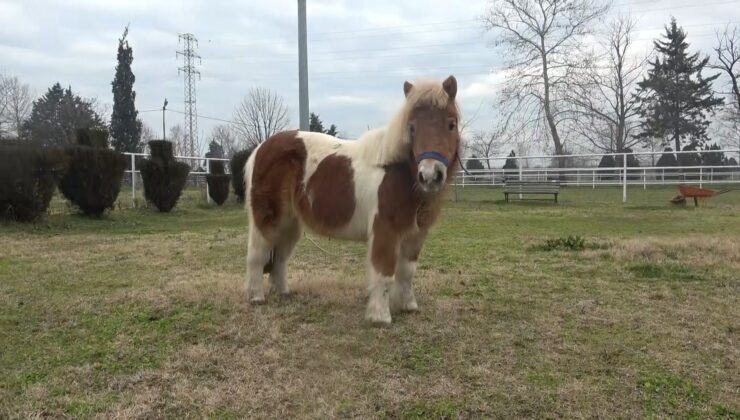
(289, 236)
(258, 255)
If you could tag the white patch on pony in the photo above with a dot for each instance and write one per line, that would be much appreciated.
(378, 305)
(402, 292)
(366, 180)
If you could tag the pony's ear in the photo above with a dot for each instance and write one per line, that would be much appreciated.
(450, 86)
(407, 88)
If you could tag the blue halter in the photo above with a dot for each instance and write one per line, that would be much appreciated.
(433, 155)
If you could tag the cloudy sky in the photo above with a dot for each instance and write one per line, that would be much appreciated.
(360, 52)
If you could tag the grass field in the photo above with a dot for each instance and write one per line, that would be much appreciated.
(144, 315)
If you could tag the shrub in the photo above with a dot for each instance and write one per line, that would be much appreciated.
(218, 182)
(93, 180)
(237, 172)
(28, 177)
(570, 243)
(164, 178)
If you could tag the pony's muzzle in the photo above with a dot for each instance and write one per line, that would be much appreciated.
(432, 175)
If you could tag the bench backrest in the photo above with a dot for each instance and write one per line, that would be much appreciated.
(544, 187)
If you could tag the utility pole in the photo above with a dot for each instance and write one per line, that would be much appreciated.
(164, 108)
(302, 67)
(190, 43)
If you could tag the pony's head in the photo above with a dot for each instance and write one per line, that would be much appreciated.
(433, 130)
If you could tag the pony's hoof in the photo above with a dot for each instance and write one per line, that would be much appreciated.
(410, 307)
(378, 320)
(257, 300)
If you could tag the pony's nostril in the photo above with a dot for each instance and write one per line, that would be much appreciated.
(421, 177)
(437, 176)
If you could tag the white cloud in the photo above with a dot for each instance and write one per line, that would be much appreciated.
(356, 74)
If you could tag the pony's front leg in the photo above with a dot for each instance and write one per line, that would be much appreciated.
(402, 291)
(382, 262)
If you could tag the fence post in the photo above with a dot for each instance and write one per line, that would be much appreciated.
(133, 180)
(593, 179)
(520, 176)
(208, 171)
(624, 177)
(578, 177)
(644, 180)
(701, 177)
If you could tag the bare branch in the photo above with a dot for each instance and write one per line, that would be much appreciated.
(261, 114)
(542, 39)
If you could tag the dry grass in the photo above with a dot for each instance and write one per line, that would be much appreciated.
(151, 322)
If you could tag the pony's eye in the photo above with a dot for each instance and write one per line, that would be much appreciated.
(451, 125)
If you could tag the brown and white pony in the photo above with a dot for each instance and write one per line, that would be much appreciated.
(387, 188)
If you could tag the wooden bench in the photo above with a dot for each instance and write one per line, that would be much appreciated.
(531, 187)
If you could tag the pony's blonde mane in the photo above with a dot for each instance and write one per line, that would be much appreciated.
(391, 144)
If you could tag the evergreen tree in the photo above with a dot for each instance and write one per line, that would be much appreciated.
(674, 96)
(668, 158)
(474, 164)
(714, 158)
(125, 127)
(332, 131)
(315, 124)
(511, 163)
(215, 150)
(58, 114)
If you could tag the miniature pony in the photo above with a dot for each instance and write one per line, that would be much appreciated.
(386, 188)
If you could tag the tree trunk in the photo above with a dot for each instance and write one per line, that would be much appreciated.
(548, 110)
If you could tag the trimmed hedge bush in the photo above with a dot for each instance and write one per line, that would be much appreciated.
(164, 178)
(93, 180)
(237, 172)
(218, 182)
(28, 177)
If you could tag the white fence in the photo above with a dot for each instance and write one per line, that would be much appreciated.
(582, 170)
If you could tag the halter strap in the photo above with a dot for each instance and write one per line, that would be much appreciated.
(433, 155)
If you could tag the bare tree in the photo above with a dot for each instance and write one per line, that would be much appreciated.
(606, 111)
(19, 104)
(147, 134)
(484, 145)
(542, 39)
(260, 114)
(177, 136)
(728, 61)
(225, 136)
(4, 120)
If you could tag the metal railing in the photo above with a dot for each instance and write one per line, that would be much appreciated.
(593, 176)
(536, 168)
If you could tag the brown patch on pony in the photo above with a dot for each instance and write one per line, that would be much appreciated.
(397, 206)
(328, 201)
(278, 170)
(402, 208)
(432, 130)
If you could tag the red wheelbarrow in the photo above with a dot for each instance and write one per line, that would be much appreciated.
(687, 191)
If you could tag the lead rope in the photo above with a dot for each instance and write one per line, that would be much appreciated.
(331, 254)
